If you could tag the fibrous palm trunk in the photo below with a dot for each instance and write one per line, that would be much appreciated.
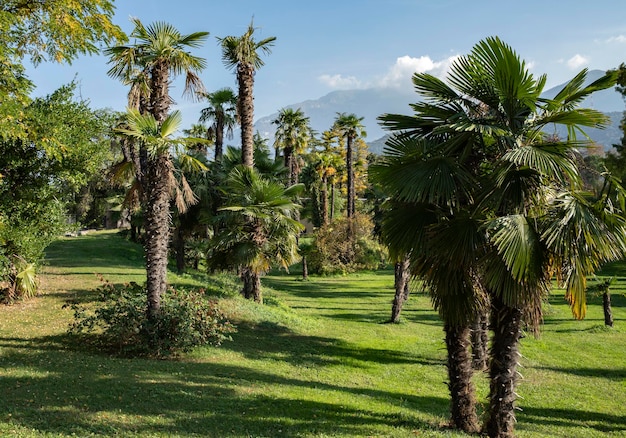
(219, 139)
(157, 228)
(462, 393)
(324, 199)
(606, 305)
(506, 323)
(480, 341)
(350, 176)
(251, 285)
(245, 79)
(401, 283)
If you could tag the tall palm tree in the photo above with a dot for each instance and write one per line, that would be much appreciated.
(490, 206)
(351, 127)
(293, 134)
(259, 228)
(244, 55)
(222, 111)
(160, 52)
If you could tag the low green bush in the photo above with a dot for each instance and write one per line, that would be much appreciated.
(119, 324)
(346, 245)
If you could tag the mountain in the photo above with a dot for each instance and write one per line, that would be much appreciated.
(368, 103)
(371, 103)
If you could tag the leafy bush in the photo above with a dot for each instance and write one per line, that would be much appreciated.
(187, 319)
(346, 245)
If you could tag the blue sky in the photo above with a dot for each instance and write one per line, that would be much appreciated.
(326, 45)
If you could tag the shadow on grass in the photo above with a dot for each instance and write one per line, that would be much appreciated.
(573, 419)
(618, 374)
(71, 392)
(105, 250)
(270, 341)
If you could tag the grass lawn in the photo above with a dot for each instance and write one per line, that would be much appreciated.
(318, 360)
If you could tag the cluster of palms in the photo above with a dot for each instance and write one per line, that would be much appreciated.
(254, 219)
(488, 206)
(484, 205)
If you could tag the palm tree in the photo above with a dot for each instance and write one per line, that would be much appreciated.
(292, 136)
(243, 54)
(222, 111)
(350, 127)
(490, 206)
(259, 228)
(160, 53)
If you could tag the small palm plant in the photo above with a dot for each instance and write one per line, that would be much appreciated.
(258, 228)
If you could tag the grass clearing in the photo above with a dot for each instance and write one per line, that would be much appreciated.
(318, 360)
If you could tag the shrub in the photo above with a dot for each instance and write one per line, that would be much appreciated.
(187, 319)
(338, 249)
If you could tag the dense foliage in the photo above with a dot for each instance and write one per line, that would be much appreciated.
(119, 323)
(346, 245)
(66, 144)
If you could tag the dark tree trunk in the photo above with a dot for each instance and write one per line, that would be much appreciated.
(462, 393)
(350, 169)
(179, 245)
(480, 341)
(401, 283)
(160, 100)
(289, 164)
(506, 323)
(219, 139)
(251, 285)
(157, 227)
(332, 201)
(324, 196)
(245, 79)
(305, 268)
(606, 305)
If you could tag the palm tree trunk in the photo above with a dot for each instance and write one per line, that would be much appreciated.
(245, 79)
(324, 196)
(160, 100)
(219, 141)
(606, 305)
(462, 393)
(179, 245)
(506, 323)
(157, 227)
(480, 341)
(401, 283)
(305, 268)
(332, 201)
(251, 285)
(349, 167)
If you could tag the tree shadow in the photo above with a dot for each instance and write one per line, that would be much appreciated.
(69, 392)
(566, 419)
(271, 341)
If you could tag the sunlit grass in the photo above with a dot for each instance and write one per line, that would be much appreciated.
(318, 360)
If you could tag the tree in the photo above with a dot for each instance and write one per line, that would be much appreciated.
(350, 126)
(490, 206)
(59, 31)
(293, 134)
(164, 183)
(160, 52)
(244, 55)
(67, 143)
(258, 228)
(222, 111)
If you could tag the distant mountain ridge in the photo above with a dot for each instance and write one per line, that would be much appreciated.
(371, 103)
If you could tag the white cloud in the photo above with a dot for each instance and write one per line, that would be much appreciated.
(617, 39)
(399, 75)
(577, 61)
(339, 81)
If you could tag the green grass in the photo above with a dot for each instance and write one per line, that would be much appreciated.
(318, 360)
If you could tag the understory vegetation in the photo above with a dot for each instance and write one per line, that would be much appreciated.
(317, 359)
